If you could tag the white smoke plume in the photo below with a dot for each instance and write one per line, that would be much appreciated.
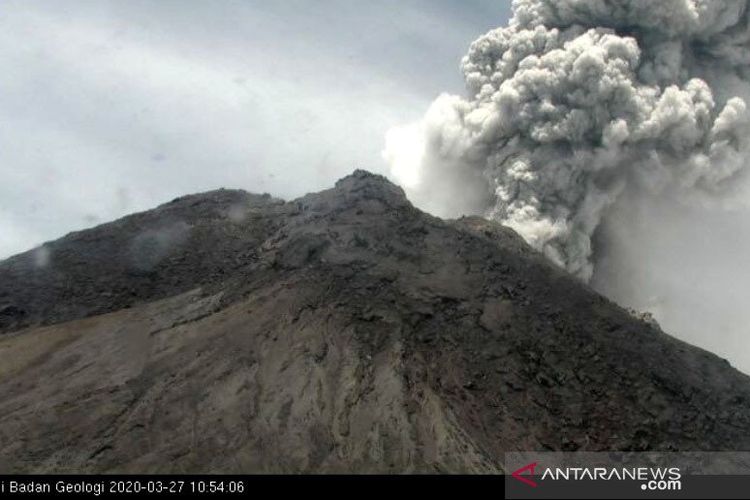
(577, 103)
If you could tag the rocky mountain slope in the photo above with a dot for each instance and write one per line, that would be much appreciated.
(345, 331)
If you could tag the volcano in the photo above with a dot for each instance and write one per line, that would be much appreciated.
(342, 332)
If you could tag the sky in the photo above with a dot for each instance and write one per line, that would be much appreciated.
(113, 107)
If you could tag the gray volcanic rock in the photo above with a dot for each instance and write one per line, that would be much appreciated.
(345, 331)
(191, 241)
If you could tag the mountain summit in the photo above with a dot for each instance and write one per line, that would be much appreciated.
(345, 331)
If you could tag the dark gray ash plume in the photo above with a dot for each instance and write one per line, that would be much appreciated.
(577, 102)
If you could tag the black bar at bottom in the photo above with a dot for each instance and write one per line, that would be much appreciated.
(180, 486)
(177, 486)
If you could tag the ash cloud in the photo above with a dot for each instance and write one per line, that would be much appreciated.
(578, 104)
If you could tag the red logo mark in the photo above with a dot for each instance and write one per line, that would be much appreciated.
(531, 468)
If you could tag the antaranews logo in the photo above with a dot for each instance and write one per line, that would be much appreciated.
(651, 478)
(531, 468)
